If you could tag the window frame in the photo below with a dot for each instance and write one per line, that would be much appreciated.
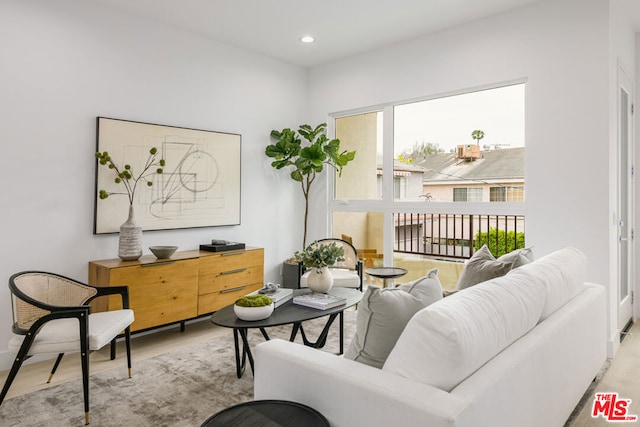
(388, 205)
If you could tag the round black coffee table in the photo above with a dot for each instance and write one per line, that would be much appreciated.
(271, 413)
(287, 314)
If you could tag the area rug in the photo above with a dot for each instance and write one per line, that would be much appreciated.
(181, 388)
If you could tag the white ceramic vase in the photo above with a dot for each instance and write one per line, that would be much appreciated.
(130, 241)
(320, 280)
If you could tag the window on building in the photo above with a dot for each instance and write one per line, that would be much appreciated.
(506, 194)
(467, 194)
(400, 187)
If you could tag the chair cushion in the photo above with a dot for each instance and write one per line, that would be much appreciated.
(447, 341)
(383, 314)
(342, 278)
(63, 335)
(480, 267)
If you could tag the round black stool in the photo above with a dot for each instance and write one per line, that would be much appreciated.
(267, 413)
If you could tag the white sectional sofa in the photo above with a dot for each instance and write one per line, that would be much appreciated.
(519, 350)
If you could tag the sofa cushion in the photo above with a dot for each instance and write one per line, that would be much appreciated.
(482, 266)
(447, 341)
(562, 273)
(383, 314)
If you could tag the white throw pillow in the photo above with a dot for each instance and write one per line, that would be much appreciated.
(517, 258)
(427, 288)
(383, 314)
(446, 342)
(482, 266)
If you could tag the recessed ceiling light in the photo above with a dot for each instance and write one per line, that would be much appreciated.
(307, 39)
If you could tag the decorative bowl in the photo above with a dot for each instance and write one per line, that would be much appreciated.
(163, 252)
(253, 313)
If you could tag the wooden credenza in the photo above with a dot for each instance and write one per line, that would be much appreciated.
(190, 284)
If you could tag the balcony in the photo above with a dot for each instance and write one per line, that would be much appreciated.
(444, 241)
(455, 237)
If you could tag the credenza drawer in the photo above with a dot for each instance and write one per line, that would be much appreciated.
(230, 261)
(214, 301)
(229, 279)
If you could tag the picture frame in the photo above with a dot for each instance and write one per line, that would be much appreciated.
(199, 186)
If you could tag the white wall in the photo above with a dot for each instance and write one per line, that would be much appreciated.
(62, 64)
(561, 48)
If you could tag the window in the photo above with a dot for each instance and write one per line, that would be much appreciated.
(467, 194)
(361, 179)
(506, 194)
(400, 187)
(464, 140)
(463, 148)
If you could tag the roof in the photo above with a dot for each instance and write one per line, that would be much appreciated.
(400, 166)
(494, 165)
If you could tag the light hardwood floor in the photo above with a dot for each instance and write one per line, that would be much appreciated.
(621, 376)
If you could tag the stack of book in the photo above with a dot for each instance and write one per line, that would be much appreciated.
(279, 296)
(319, 301)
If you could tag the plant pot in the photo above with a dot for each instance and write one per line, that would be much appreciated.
(130, 240)
(253, 313)
(320, 280)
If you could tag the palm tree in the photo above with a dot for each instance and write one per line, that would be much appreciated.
(477, 135)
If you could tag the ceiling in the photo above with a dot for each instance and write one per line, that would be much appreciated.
(341, 28)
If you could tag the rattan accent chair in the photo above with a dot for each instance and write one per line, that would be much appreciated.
(347, 273)
(51, 315)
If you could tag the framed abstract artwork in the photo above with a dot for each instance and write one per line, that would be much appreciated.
(199, 186)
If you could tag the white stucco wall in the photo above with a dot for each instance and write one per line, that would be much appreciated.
(62, 64)
(561, 48)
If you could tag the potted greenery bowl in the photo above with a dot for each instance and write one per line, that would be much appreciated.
(253, 307)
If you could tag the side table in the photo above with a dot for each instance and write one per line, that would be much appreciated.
(271, 413)
(387, 274)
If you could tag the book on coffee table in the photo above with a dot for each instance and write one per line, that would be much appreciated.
(319, 301)
(279, 297)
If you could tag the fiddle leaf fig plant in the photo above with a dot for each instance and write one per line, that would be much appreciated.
(307, 161)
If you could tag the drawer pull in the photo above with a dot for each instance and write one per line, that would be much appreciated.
(240, 270)
(232, 253)
(226, 291)
(158, 263)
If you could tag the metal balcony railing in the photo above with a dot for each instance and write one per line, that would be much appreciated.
(453, 236)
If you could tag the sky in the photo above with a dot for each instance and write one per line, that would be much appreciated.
(449, 121)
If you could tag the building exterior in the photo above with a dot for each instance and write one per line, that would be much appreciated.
(488, 176)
